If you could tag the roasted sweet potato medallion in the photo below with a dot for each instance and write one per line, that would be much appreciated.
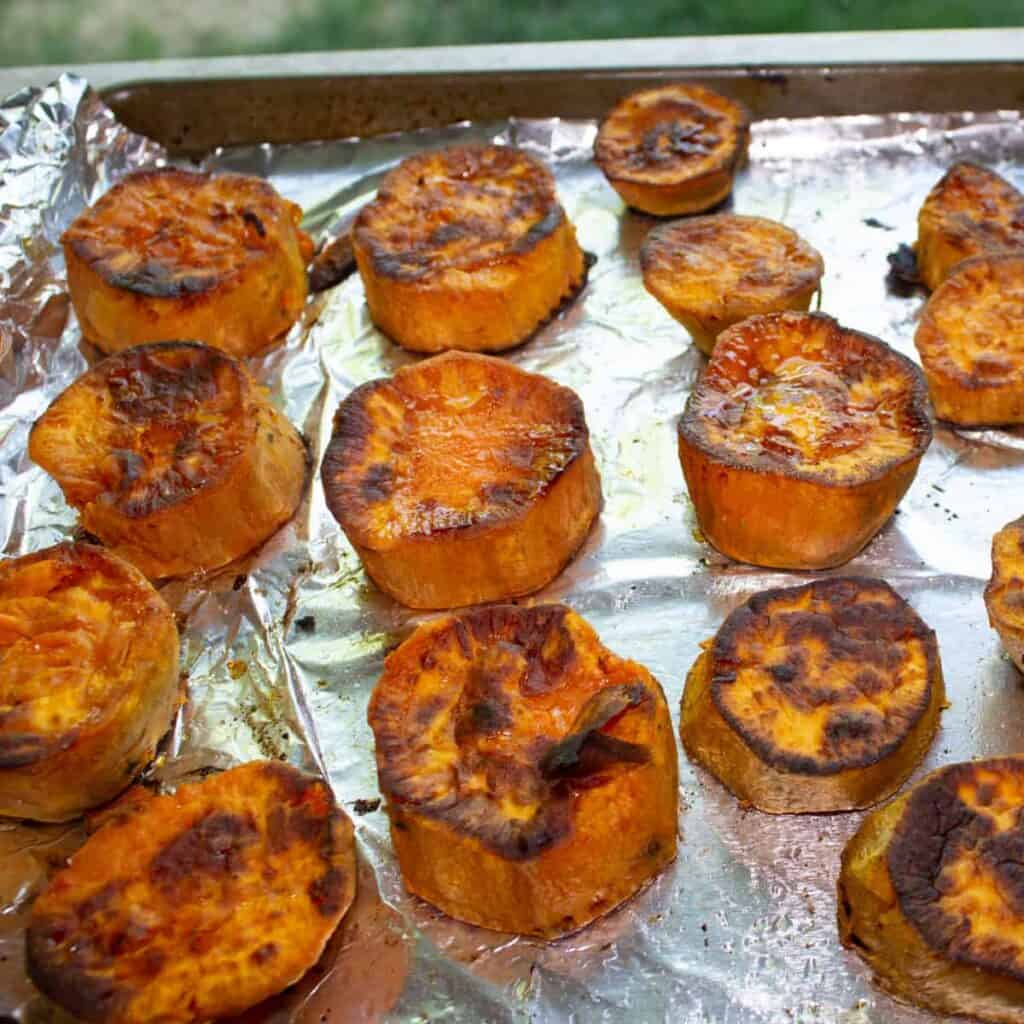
(462, 479)
(88, 679)
(800, 439)
(170, 254)
(199, 904)
(816, 698)
(466, 248)
(530, 773)
(712, 272)
(173, 457)
(674, 149)
(1004, 595)
(971, 342)
(971, 211)
(931, 892)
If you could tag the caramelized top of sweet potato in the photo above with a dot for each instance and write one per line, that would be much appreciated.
(460, 209)
(671, 133)
(168, 233)
(198, 905)
(458, 441)
(797, 394)
(955, 861)
(493, 719)
(825, 677)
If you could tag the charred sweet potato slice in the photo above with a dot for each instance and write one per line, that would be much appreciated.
(800, 439)
(712, 272)
(971, 341)
(88, 679)
(1004, 595)
(462, 479)
(173, 457)
(466, 248)
(674, 149)
(931, 892)
(169, 254)
(971, 211)
(200, 904)
(530, 773)
(816, 698)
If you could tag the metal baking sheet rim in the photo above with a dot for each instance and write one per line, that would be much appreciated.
(283, 650)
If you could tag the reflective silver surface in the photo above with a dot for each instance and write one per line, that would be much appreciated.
(283, 651)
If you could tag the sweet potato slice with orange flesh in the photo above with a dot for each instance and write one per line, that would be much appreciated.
(462, 479)
(173, 457)
(817, 698)
(931, 893)
(800, 439)
(712, 272)
(530, 773)
(466, 248)
(88, 679)
(169, 254)
(1004, 595)
(971, 211)
(674, 149)
(200, 904)
(971, 342)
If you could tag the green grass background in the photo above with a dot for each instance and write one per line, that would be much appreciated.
(48, 31)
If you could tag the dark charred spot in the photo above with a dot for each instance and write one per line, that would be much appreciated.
(846, 727)
(214, 846)
(17, 750)
(363, 806)
(306, 624)
(326, 892)
(783, 672)
(378, 483)
(264, 954)
(252, 219)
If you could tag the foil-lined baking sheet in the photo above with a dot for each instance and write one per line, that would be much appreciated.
(283, 649)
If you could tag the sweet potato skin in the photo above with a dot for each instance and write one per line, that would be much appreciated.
(971, 211)
(907, 948)
(198, 905)
(969, 339)
(170, 254)
(1004, 594)
(463, 460)
(573, 744)
(88, 679)
(712, 272)
(828, 633)
(800, 439)
(173, 457)
(466, 248)
(674, 149)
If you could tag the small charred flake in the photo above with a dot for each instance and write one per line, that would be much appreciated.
(363, 806)
(213, 846)
(904, 274)
(332, 264)
(325, 892)
(874, 222)
(306, 624)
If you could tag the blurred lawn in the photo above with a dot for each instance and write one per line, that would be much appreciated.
(71, 31)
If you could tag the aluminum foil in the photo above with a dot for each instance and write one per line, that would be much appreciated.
(283, 650)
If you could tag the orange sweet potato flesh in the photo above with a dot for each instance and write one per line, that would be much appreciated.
(674, 149)
(817, 698)
(930, 893)
(198, 905)
(1004, 595)
(173, 457)
(169, 254)
(800, 439)
(971, 211)
(466, 248)
(712, 272)
(462, 479)
(971, 341)
(530, 774)
(88, 679)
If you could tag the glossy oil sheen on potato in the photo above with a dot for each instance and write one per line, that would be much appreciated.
(462, 461)
(88, 679)
(199, 904)
(800, 439)
(466, 248)
(930, 892)
(815, 698)
(170, 254)
(530, 773)
(173, 457)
